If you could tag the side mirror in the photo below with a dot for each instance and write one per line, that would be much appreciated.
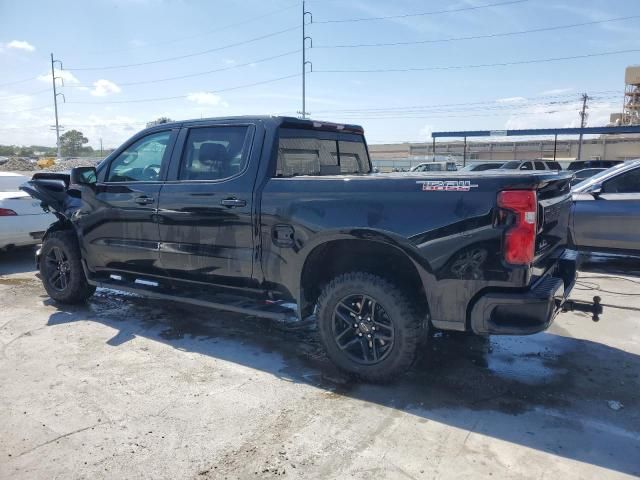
(83, 176)
(596, 191)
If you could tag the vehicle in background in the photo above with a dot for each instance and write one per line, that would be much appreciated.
(584, 164)
(281, 217)
(22, 220)
(531, 165)
(606, 211)
(435, 167)
(481, 166)
(582, 175)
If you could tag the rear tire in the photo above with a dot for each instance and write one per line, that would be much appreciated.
(61, 268)
(368, 326)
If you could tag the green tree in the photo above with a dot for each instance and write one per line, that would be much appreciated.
(159, 121)
(71, 142)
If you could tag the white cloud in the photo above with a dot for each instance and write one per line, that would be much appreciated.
(103, 87)
(561, 116)
(557, 91)
(205, 98)
(425, 132)
(68, 77)
(21, 45)
(511, 100)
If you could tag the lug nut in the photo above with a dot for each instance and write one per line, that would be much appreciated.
(369, 336)
(360, 334)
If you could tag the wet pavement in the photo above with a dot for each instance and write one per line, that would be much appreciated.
(127, 387)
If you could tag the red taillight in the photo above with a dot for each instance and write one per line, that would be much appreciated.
(520, 238)
(5, 212)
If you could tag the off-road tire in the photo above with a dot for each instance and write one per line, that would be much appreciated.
(409, 330)
(75, 289)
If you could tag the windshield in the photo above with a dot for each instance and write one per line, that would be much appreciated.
(589, 182)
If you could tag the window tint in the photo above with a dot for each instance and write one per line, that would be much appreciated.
(141, 161)
(511, 165)
(554, 165)
(526, 166)
(540, 166)
(628, 182)
(322, 155)
(353, 157)
(214, 153)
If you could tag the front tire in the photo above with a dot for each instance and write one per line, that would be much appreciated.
(368, 326)
(61, 269)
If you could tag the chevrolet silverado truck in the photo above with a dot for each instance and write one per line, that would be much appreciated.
(283, 218)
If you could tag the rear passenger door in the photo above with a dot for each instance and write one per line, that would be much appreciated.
(205, 211)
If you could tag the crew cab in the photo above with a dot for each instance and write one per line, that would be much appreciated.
(281, 217)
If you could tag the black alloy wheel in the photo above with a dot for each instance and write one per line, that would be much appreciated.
(362, 329)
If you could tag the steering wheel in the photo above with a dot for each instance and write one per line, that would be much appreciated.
(151, 172)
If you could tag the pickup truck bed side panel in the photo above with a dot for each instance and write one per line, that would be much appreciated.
(448, 235)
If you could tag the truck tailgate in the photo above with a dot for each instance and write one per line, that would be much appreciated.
(554, 207)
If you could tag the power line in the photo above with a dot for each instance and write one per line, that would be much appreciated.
(25, 110)
(197, 74)
(209, 32)
(434, 12)
(188, 55)
(175, 97)
(15, 82)
(482, 65)
(462, 104)
(478, 37)
(17, 95)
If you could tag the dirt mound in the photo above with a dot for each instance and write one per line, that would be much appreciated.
(18, 164)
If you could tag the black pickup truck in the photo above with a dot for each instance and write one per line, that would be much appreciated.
(283, 218)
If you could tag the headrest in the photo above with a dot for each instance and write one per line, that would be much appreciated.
(212, 152)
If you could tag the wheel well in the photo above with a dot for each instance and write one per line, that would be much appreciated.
(341, 256)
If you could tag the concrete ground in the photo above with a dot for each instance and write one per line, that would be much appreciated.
(131, 388)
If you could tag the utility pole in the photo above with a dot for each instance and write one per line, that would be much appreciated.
(101, 147)
(305, 62)
(55, 100)
(583, 121)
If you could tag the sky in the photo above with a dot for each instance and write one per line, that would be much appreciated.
(451, 65)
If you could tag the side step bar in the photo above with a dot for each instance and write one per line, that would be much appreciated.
(273, 311)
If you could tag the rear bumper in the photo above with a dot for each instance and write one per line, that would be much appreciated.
(529, 311)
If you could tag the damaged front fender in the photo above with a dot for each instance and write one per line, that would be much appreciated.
(52, 189)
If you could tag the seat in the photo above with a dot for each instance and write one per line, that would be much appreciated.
(215, 160)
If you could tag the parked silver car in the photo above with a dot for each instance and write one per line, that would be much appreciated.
(606, 211)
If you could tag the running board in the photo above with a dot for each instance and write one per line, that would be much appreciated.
(230, 303)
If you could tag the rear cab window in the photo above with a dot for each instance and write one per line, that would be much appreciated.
(316, 153)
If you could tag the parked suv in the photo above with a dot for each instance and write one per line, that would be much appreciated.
(254, 214)
(531, 165)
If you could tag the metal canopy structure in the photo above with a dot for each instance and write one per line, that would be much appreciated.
(620, 130)
(540, 131)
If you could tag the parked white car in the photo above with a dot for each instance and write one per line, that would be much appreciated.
(22, 220)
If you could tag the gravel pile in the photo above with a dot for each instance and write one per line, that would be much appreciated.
(63, 165)
(18, 164)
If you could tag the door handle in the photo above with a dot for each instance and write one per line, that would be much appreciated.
(233, 202)
(144, 200)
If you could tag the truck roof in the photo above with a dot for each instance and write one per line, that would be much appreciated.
(279, 121)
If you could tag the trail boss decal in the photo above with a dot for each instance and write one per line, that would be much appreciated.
(446, 185)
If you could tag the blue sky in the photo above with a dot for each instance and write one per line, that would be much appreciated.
(392, 106)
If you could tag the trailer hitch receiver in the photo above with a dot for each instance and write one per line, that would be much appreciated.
(595, 309)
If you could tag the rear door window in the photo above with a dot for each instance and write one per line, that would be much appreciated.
(309, 152)
(215, 153)
(540, 166)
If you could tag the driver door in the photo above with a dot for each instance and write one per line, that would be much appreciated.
(119, 225)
